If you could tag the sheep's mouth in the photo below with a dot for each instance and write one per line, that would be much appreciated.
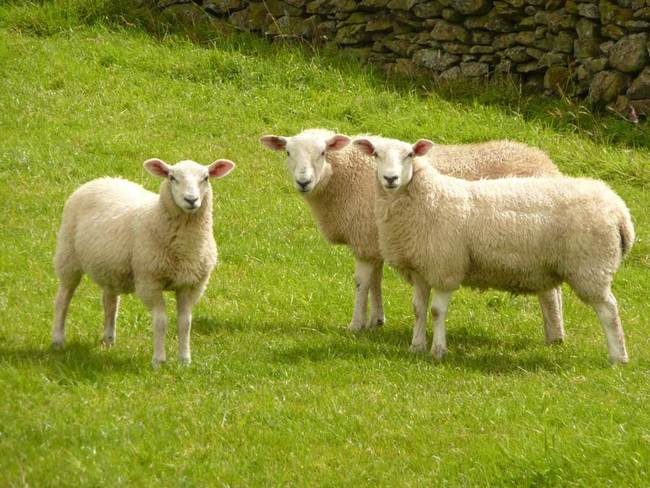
(304, 189)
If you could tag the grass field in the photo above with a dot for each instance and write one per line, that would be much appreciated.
(279, 393)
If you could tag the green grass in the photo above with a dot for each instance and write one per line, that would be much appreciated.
(279, 393)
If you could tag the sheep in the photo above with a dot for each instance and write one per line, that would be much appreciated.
(128, 239)
(337, 182)
(522, 235)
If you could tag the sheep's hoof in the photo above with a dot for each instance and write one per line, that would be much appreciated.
(355, 327)
(157, 363)
(418, 348)
(619, 361)
(438, 352)
(108, 342)
(57, 345)
(376, 323)
(555, 341)
(185, 361)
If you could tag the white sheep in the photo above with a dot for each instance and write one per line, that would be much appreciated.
(337, 182)
(523, 235)
(129, 239)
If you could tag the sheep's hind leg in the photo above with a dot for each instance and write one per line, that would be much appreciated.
(154, 301)
(111, 302)
(377, 318)
(362, 276)
(550, 302)
(421, 293)
(64, 294)
(185, 301)
(439, 307)
(607, 311)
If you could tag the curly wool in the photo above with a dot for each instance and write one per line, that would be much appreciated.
(517, 234)
(342, 203)
(119, 233)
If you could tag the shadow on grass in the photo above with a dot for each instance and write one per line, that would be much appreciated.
(206, 325)
(467, 350)
(75, 362)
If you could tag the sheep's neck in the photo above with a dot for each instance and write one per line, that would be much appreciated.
(340, 201)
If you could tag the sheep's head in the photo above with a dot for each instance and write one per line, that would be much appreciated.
(394, 159)
(188, 181)
(306, 155)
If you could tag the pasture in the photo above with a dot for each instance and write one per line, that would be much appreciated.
(278, 392)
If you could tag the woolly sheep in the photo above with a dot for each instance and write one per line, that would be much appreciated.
(337, 182)
(523, 235)
(129, 239)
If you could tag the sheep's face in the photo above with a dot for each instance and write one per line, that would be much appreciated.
(188, 181)
(394, 159)
(306, 155)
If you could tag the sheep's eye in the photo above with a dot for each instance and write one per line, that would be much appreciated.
(288, 153)
(410, 155)
(171, 178)
(205, 179)
(375, 155)
(323, 153)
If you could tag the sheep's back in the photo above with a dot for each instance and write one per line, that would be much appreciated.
(491, 160)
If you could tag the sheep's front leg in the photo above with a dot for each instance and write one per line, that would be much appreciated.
(421, 292)
(377, 318)
(111, 302)
(152, 298)
(439, 307)
(607, 311)
(186, 298)
(362, 276)
(551, 304)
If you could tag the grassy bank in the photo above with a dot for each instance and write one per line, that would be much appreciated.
(279, 393)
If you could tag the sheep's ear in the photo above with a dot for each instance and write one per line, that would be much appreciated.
(277, 143)
(220, 168)
(421, 147)
(337, 142)
(157, 167)
(365, 146)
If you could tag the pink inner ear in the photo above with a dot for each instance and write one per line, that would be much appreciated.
(220, 168)
(365, 146)
(275, 143)
(421, 147)
(337, 142)
(157, 167)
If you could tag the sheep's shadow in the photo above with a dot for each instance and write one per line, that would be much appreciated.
(76, 361)
(467, 350)
(207, 325)
(400, 336)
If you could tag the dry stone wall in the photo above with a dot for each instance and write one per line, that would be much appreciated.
(596, 48)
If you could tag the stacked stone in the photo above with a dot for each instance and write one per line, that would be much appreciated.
(598, 47)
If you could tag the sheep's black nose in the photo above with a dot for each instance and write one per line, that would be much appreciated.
(303, 184)
(390, 180)
(191, 201)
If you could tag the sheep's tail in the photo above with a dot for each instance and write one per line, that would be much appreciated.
(626, 231)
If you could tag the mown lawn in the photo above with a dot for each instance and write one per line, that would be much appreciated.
(279, 393)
